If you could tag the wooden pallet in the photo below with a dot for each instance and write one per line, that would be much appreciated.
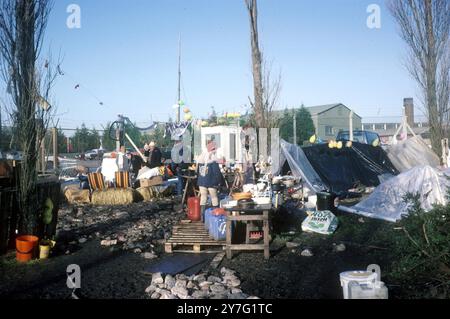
(192, 236)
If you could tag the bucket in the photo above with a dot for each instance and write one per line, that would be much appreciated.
(359, 277)
(44, 249)
(325, 201)
(25, 247)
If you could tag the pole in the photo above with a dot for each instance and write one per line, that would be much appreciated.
(295, 129)
(350, 125)
(179, 80)
(55, 148)
(135, 147)
(68, 144)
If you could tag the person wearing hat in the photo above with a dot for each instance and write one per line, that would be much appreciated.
(209, 176)
(155, 155)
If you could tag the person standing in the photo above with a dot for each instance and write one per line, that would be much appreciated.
(155, 156)
(209, 176)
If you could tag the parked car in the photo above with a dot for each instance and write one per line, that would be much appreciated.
(93, 154)
(364, 137)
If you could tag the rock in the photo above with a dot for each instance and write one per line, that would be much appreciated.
(137, 251)
(199, 278)
(218, 296)
(191, 285)
(149, 255)
(155, 295)
(181, 283)
(180, 292)
(150, 289)
(225, 271)
(199, 294)
(235, 290)
(169, 281)
(339, 248)
(82, 240)
(307, 253)
(361, 220)
(291, 244)
(157, 278)
(217, 288)
(253, 297)
(205, 284)
(214, 279)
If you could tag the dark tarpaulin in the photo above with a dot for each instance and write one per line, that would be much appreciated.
(342, 168)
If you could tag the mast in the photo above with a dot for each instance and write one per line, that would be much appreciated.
(179, 80)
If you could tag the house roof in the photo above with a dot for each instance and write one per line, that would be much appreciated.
(318, 109)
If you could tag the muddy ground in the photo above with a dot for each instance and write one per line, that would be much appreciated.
(112, 272)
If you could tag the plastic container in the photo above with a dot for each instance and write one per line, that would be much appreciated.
(363, 284)
(26, 247)
(217, 227)
(44, 250)
(208, 214)
(194, 212)
(325, 201)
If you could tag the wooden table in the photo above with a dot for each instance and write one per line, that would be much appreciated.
(257, 213)
(189, 182)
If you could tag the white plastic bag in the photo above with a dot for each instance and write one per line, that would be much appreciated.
(321, 222)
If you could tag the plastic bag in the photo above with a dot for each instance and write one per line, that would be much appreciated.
(321, 222)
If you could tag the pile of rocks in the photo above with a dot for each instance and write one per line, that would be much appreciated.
(138, 227)
(201, 286)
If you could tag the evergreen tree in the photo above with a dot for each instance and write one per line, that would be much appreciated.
(305, 125)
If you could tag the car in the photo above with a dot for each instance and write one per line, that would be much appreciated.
(93, 154)
(364, 137)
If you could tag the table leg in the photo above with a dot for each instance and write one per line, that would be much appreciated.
(228, 230)
(266, 235)
(247, 235)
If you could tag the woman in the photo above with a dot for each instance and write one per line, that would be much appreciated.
(209, 176)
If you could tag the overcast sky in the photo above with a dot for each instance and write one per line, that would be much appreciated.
(125, 56)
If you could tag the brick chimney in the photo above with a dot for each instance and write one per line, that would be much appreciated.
(408, 104)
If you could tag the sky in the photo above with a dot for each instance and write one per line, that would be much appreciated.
(125, 55)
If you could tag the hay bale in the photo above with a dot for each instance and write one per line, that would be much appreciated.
(148, 193)
(153, 192)
(77, 196)
(114, 197)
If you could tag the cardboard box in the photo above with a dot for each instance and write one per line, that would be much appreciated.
(154, 181)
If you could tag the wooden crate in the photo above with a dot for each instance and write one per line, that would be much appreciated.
(192, 237)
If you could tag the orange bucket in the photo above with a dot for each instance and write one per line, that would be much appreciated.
(26, 247)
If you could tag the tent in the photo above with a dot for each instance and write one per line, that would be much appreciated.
(337, 170)
(387, 201)
(341, 169)
(410, 153)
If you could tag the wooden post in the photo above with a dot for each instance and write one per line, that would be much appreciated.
(55, 148)
(228, 236)
(266, 234)
(295, 128)
(43, 163)
(351, 125)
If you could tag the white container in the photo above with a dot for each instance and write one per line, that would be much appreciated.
(376, 290)
(311, 203)
(366, 280)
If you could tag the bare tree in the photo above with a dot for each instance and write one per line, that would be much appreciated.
(424, 26)
(22, 27)
(257, 103)
(266, 87)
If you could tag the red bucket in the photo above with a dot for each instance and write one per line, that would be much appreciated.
(26, 247)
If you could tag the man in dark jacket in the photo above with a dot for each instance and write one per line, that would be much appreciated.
(155, 155)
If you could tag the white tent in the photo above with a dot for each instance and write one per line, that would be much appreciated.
(387, 200)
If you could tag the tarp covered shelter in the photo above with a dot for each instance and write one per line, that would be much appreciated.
(341, 169)
(410, 153)
(387, 201)
(337, 170)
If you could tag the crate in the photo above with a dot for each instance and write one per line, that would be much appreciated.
(154, 181)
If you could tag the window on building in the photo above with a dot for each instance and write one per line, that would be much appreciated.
(328, 130)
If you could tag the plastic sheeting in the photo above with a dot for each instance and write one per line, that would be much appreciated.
(300, 166)
(387, 200)
(341, 169)
(410, 153)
